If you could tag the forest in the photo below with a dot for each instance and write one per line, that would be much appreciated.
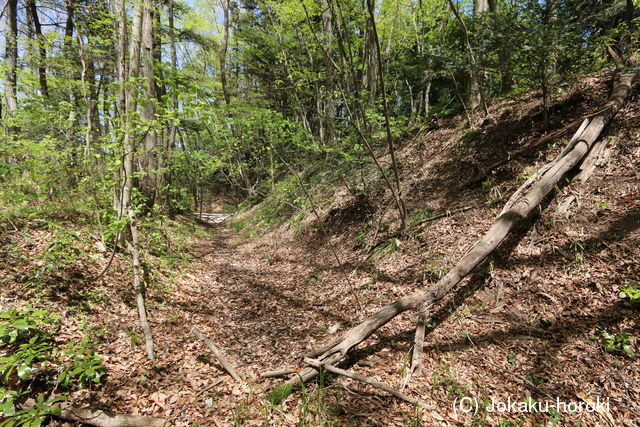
(319, 212)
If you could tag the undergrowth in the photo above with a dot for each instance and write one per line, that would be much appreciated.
(37, 371)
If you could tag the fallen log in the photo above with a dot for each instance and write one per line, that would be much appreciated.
(100, 418)
(218, 354)
(329, 368)
(336, 350)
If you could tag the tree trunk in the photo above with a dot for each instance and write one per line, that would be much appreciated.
(475, 96)
(88, 98)
(11, 61)
(118, 10)
(394, 164)
(129, 153)
(150, 155)
(329, 112)
(68, 28)
(174, 67)
(223, 52)
(42, 48)
(335, 350)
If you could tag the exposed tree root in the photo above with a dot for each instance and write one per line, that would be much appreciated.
(335, 351)
(100, 418)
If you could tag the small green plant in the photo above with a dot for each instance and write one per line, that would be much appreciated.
(31, 355)
(537, 380)
(420, 216)
(603, 205)
(578, 249)
(494, 192)
(619, 343)
(444, 377)
(554, 416)
(632, 293)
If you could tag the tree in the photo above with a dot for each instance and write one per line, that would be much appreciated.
(11, 61)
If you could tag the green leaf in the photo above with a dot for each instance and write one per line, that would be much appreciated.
(21, 325)
(24, 371)
(8, 408)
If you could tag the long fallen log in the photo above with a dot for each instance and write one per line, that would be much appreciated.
(333, 352)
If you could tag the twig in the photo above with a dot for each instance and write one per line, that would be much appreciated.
(330, 368)
(209, 387)
(217, 352)
(447, 213)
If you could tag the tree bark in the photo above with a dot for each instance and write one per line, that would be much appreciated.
(338, 348)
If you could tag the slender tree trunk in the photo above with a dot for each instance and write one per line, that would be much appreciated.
(131, 107)
(476, 80)
(223, 52)
(394, 164)
(69, 54)
(329, 102)
(11, 61)
(42, 48)
(150, 156)
(68, 28)
(118, 9)
(88, 99)
(174, 68)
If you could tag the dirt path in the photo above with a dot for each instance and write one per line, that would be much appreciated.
(263, 305)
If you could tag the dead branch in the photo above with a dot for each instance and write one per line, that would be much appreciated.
(329, 368)
(484, 247)
(529, 182)
(218, 354)
(418, 347)
(278, 373)
(536, 144)
(446, 214)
